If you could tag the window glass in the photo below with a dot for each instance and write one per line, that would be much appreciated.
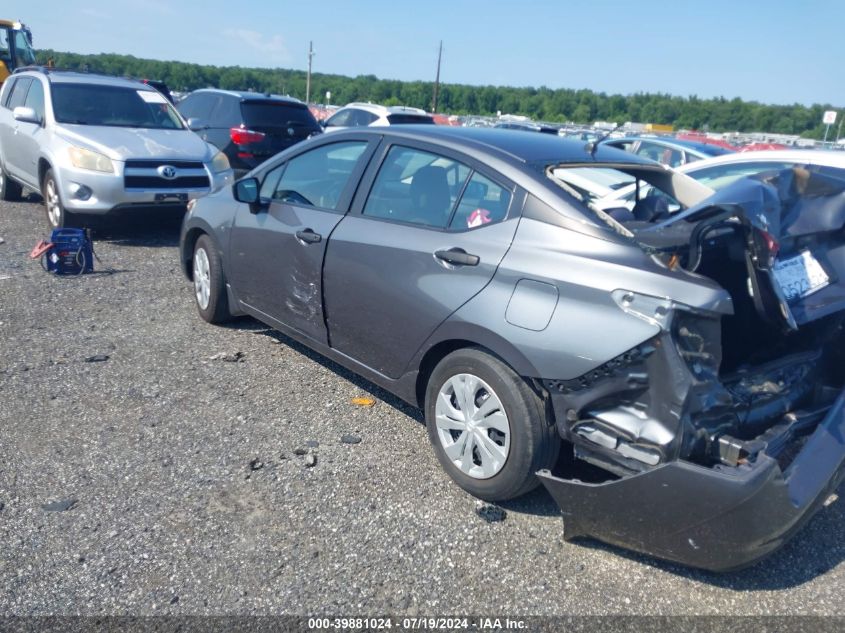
(197, 106)
(5, 55)
(23, 51)
(18, 95)
(340, 118)
(399, 119)
(94, 104)
(414, 186)
(274, 114)
(35, 98)
(483, 202)
(361, 117)
(661, 154)
(316, 178)
(720, 176)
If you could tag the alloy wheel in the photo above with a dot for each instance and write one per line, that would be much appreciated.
(202, 278)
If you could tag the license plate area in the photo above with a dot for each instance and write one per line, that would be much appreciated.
(800, 276)
(177, 197)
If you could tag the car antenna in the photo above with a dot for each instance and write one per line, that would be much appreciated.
(592, 146)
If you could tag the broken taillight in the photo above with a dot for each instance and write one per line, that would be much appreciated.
(770, 245)
(243, 136)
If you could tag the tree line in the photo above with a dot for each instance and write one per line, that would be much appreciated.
(544, 104)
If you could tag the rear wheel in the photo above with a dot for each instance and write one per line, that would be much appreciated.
(210, 282)
(57, 215)
(488, 427)
(10, 191)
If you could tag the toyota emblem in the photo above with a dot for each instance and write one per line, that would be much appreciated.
(168, 172)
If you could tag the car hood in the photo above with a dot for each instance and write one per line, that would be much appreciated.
(123, 143)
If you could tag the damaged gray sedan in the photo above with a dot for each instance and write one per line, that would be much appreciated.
(674, 379)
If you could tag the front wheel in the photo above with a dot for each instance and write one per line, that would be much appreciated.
(489, 429)
(57, 215)
(210, 282)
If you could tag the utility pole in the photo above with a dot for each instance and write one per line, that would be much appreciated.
(839, 129)
(437, 79)
(308, 79)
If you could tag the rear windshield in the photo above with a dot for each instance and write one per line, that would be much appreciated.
(396, 119)
(91, 104)
(270, 114)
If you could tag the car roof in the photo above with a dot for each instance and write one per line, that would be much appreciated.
(246, 95)
(704, 148)
(817, 157)
(385, 110)
(511, 145)
(73, 77)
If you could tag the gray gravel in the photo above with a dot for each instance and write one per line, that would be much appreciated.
(187, 487)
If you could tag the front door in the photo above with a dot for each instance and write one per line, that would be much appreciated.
(429, 237)
(276, 254)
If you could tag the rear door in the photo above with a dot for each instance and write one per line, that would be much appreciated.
(282, 125)
(425, 237)
(276, 255)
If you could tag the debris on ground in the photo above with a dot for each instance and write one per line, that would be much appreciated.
(310, 461)
(312, 443)
(59, 506)
(256, 464)
(97, 358)
(363, 402)
(350, 439)
(490, 512)
(228, 357)
(300, 451)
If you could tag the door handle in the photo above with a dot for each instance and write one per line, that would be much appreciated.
(308, 236)
(457, 257)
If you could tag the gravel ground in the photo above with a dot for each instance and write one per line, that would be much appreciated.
(187, 495)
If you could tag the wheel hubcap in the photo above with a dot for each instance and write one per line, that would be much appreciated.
(202, 278)
(54, 207)
(472, 426)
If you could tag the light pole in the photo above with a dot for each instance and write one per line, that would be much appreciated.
(308, 78)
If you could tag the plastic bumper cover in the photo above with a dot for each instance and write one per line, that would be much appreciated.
(716, 519)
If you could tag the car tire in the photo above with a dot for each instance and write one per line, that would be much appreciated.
(209, 282)
(57, 216)
(505, 411)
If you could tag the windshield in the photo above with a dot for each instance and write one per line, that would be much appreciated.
(91, 104)
(397, 119)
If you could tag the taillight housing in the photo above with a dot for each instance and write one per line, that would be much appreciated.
(243, 136)
(770, 247)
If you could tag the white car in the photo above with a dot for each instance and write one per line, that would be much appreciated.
(361, 114)
(720, 171)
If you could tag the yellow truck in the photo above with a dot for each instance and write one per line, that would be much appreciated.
(15, 47)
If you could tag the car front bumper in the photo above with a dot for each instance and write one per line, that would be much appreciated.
(711, 518)
(106, 192)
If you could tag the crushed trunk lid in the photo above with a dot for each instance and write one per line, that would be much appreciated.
(792, 222)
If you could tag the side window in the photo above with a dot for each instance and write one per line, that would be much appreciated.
(721, 176)
(35, 98)
(6, 90)
(316, 178)
(361, 117)
(197, 106)
(18, 93)
(340, 118)
(414, 186)
(5, 55)
(483, 202)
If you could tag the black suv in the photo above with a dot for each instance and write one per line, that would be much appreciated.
(249, 127)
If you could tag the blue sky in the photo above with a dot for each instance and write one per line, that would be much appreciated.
(766, 50)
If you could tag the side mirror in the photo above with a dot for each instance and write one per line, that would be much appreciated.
(195, 124)
(26, 115)
(323, 122)
(246, 191)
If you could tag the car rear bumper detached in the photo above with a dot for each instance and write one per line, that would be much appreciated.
(720, 518)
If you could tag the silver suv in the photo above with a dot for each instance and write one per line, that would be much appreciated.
(94, 144)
